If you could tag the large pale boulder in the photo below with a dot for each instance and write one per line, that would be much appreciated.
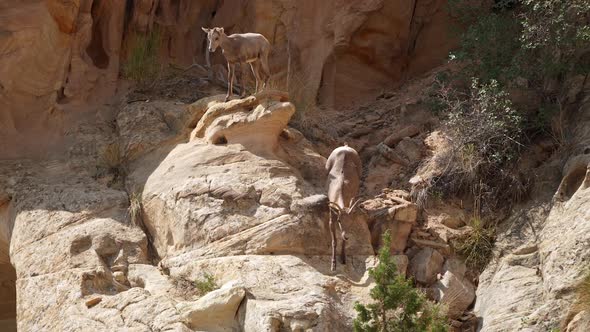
(72, 246)
(286, 292)
(215, 311)
(541, 263)
(243, 196)
(455, 293)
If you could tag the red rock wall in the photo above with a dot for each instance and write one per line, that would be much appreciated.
(57, 54)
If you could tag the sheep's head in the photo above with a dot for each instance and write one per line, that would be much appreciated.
(214, 37)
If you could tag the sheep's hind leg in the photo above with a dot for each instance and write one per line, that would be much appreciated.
(333, 234)
(255, 72)
(243, 79)
(265, 69)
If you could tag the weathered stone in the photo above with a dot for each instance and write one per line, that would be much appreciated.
(391, 212)
(455, 292)
(579, 323)
(215, 311)
(146, 126)
(425, 265)
(455, 266)
(400, 134)
(411, 149)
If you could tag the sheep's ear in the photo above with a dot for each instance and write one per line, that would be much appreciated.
(205, 29)
(221, 29)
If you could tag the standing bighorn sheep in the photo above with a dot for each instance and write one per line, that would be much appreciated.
(252, 48)
(344, 177)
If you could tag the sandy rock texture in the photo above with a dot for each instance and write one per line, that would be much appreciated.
(542, 250)
(250, 212)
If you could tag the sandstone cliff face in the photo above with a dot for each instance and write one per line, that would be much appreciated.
(57, 57)
(543, 249)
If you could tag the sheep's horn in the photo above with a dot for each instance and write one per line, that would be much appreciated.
(353, 205)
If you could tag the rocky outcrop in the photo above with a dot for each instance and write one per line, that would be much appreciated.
(215, 310)
(542, 250)
(239, 195)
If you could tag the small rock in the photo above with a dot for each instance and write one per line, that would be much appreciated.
(120, 277)
(92, 302)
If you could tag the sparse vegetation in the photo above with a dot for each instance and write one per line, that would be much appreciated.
(485, 133)
(111, 162)
(506, 45)
(399, 306)
(142, 65)
(111, 158)
(477, 247)
(134, 209)
(205, 284)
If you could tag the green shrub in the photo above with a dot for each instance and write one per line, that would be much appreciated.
(206, 284)
(398, 305)
(558, 32)
(477, 247)
(489, 47)
(142, 65)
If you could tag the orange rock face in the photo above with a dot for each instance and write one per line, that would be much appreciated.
(57, 56)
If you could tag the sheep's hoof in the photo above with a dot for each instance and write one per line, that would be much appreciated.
(227, 98)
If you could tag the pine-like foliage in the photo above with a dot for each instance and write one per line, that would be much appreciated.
(398, 306)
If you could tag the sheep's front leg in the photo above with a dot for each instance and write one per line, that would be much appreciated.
(333, 234)
(230, 80)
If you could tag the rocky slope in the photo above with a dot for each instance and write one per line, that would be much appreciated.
(242, 201)
(128, 198)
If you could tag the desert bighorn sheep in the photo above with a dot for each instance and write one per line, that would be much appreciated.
(252, 48)
(344, 177)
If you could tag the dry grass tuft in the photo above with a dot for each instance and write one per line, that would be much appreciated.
(477, 247)
(142, 65)
(135, 209)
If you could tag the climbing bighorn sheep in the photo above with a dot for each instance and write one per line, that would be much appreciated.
(252, 48)
(344, 177)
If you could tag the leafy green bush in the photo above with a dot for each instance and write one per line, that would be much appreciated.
(542, 42)
(399, 306)
(488, 47)
(142, 65)
(558, 33)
